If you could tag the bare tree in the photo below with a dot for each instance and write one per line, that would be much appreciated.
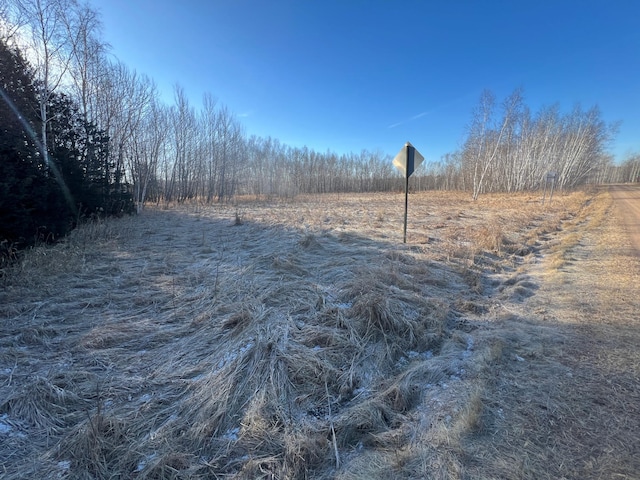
(123, 101)
(49, 44)
(210, 142)
(485, 142)
(515, 153)
(184, 135)
(11, 21)
(87, 58)
(230, 135)
(149, 149)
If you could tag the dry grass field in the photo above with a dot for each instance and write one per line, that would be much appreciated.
(303, 339)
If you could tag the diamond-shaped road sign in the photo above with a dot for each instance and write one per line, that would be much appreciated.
(408, 159)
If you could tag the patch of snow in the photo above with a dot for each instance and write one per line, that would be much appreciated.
(231, 356)
(231, 434)
(413, 355)
(519, 358)
(364, 392)
(4, 427)
(64, 464)
(144, 462)
(145, 398)
(402, 362)
(469, 349)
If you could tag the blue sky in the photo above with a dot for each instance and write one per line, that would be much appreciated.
(347, 75)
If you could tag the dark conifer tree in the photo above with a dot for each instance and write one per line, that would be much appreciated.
(41, 201)
(23, 179)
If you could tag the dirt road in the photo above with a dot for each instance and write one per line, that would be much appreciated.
(627, 201)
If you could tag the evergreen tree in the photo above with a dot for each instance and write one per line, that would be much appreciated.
(23, 183)
(41, 201)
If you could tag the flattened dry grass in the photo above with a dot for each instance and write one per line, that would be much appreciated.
(565, 403)
(303, 341)
(588, 218)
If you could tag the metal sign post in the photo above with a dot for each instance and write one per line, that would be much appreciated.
(407, 160)
(552, 176)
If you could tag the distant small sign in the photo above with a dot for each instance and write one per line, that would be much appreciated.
(551, 180)
(408, 159)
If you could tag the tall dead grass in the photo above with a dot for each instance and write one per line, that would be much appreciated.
(300, 342)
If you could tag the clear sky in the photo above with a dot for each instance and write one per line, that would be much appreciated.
(347, 75)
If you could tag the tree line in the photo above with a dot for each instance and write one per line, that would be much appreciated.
(167, 152)
(508, 149)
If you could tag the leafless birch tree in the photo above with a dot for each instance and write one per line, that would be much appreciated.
(49, 43)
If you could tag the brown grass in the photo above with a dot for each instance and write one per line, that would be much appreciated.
(565, 403)
(293, 339)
